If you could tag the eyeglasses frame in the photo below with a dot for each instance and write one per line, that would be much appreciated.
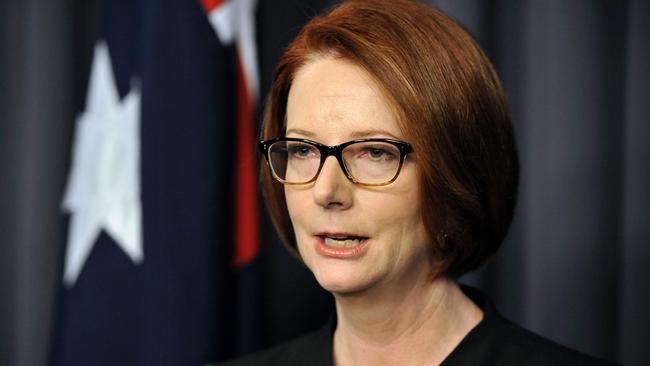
(337, 151)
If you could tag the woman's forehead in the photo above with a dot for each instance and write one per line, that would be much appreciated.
(336, 97)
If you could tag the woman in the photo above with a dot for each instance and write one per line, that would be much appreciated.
(392, 170)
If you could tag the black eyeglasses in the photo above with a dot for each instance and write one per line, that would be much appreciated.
(368, 162)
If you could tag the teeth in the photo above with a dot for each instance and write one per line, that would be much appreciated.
(341, 243)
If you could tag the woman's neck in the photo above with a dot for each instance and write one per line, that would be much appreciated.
(416, 325)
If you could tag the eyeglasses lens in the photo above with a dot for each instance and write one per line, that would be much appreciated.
(370, 162)
(294, 161)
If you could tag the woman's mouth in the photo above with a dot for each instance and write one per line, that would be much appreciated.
(343, 242)
(341, 246)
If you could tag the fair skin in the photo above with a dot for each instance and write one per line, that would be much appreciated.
(389, 310)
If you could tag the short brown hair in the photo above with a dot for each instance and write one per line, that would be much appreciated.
(450, 106)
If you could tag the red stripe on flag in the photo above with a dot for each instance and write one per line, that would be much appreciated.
(246, 209)
(210, 5)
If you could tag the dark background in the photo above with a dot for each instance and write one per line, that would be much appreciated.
(575, 265)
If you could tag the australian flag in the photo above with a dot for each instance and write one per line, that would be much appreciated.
(161, 201)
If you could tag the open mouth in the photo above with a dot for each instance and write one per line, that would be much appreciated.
(342, 241)
(341, 245)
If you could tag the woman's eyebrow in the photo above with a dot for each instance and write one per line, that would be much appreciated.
(300, 132)
(371, 133)
(354, 135)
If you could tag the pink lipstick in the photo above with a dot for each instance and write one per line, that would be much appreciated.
(341, 246)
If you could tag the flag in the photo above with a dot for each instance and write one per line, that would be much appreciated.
(233, 22)
(151, 275)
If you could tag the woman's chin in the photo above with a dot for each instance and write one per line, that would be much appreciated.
(342, 284)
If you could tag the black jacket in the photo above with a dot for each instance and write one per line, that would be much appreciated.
(494, 341)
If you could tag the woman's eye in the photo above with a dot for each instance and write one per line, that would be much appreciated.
(301, 151)
(378, 154)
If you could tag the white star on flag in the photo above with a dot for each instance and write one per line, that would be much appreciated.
(103, 190)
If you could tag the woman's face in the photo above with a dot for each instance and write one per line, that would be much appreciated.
(333, 101)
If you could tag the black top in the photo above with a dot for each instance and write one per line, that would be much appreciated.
(494, 341)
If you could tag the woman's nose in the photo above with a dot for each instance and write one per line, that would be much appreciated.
(332, 189)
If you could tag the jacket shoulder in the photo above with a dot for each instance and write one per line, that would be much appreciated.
(514, 345)
(498, 341)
